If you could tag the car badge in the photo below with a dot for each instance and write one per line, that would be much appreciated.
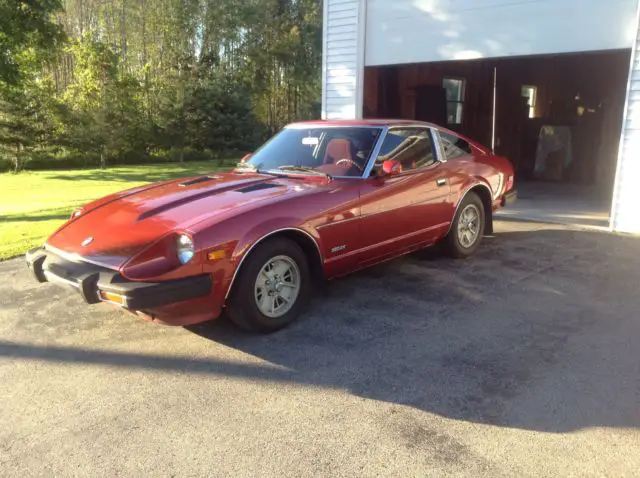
(87, 241)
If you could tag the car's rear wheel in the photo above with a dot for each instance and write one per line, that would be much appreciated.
(468, 227)
(272, 288)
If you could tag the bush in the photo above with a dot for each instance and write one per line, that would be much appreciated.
(69, 159)
(53, 159)
(5, 165)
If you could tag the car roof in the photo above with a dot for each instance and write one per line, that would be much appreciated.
(363, 122)
(383, 123)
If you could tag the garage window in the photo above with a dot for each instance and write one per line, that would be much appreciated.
(530, 93)
(454, 147)
(454, 88)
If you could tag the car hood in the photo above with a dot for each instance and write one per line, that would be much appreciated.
(115, 228)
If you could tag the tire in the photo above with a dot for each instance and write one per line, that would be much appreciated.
(464, 239)
(264, 264)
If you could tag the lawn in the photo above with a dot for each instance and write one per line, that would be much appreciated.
(34, 203)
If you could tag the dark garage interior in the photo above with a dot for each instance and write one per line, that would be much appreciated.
(557, 117)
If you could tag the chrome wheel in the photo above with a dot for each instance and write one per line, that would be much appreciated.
(277, 286)
(469, 226)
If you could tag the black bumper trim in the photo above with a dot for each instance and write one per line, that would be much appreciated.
(509, 197)
(89, 280)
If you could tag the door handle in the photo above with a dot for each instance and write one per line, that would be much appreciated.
(441, 181)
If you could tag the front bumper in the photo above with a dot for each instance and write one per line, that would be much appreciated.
(97, 284)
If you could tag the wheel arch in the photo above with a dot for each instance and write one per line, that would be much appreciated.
(484, 193)
(302, 238)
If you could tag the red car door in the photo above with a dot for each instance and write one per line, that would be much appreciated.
(407, 209)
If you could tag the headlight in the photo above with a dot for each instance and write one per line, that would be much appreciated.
(184, 248)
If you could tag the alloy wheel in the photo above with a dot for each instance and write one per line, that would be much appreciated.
(277, 286)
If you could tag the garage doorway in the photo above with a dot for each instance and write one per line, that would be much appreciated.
(558, 118)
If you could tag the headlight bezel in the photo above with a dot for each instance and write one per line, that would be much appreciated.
(161, 259)
(185, 248)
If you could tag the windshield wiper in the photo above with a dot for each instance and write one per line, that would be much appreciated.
(248, 167)
(304, 169)
(252, 168)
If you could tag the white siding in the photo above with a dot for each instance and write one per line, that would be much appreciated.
(343, 59)
(626, 196)
(412, 31)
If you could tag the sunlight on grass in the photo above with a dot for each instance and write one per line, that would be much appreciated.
(34, 203)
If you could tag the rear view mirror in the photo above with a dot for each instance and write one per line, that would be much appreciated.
(391, 168)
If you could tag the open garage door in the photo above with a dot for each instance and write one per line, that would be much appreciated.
(558, 118)
(413, 31)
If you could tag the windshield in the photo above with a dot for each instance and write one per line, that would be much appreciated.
(333, 151)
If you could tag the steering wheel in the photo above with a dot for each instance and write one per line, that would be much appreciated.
(349, 162)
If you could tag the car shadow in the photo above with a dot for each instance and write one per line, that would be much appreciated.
(535, 332)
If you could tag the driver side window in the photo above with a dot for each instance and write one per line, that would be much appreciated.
(411, 148)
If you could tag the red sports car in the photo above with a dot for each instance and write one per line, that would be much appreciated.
(319, 200)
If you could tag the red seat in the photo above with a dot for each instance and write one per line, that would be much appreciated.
(337, 149)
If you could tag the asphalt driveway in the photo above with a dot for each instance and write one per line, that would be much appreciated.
(523, 361)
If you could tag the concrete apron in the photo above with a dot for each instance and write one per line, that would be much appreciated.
(558, 204)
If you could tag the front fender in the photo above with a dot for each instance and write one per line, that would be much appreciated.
(268, 228)
(250, 238)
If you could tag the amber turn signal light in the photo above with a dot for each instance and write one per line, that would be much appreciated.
(111, 297)
(215, 255)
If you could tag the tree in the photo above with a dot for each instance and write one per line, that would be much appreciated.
(26, 24)
(25, 122)
(105, 104)
(219, 116)
(142, 77)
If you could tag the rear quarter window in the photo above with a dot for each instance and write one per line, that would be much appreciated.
(455, 147)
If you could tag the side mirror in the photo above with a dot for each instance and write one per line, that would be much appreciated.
(391, 167)
(246, 158)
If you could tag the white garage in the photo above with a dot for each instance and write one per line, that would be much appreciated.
(552, 84)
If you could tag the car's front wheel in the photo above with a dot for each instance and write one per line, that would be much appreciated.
(272, 287)
(467, 228)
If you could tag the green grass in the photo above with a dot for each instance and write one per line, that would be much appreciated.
(33, 204)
